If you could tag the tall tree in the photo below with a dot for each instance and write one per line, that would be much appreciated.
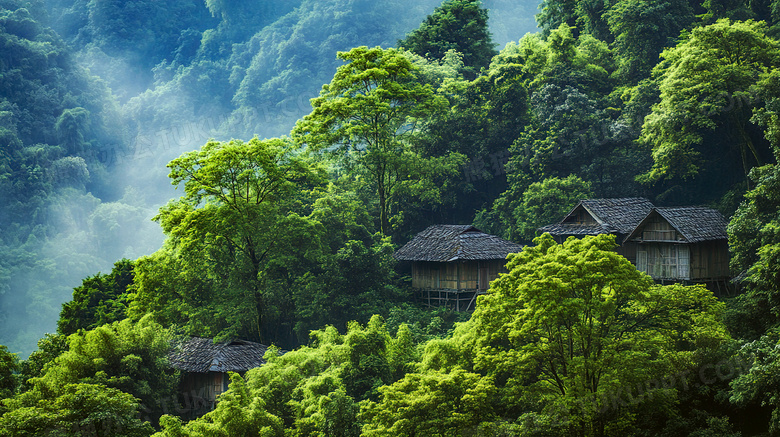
(460, 25)
(705, 107)
(237, 220)
(642, 29)
(368, 118)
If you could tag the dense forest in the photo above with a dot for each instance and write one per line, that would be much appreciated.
(291, 196)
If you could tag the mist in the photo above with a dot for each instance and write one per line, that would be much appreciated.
(202, 74)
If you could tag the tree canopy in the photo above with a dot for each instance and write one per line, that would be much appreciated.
(368, 117)
(459, 25)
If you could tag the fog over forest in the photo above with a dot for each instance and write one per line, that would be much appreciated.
(124, 87)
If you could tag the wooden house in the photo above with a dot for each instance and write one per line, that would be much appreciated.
(683, 244)
(452, 264)
(618, 217)
(204, 366)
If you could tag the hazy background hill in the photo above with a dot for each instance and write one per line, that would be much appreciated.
(96, 97)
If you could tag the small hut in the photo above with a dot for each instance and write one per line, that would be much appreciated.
(618, 216)
(683, 244)
(204, 366)
(452, 264)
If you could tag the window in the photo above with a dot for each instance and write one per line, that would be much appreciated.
(664, 261)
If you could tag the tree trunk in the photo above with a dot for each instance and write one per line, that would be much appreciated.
(257, 293)
(384, 220)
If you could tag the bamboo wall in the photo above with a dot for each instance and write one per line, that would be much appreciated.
(459, 275)
(710, 260)
(664, 254)
(199, 392)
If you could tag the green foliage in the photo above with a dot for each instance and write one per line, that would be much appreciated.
(49, 347)
(754, 242)
(431, 404)
(238, 413)
(643, 29)
(305, 392)
(368, 117)
(257, 249)
(554, 343)
(484, 119)
(353, 281)
(459, 25)
(758, 384)
(78, 409)
(705, 105)
(236, 229)
(547, 201)
(126, 356)
(99, 300)
(71, 126)
(9, 366)
(576, 127)
(424, 323)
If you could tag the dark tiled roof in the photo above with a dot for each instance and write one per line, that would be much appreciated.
(577, 229)
(613, 216)
(622, 214)
(444, 243)
(696, 223)
(202, 355)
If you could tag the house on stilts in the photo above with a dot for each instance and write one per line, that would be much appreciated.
(680, 244)
(685, 244)
(452, 264)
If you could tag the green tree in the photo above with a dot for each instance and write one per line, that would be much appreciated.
(99, 300)
(368, 118)
(77, 409)
(754, 240)
(576, 124)
(642, 29)
(590, 326)
(757, 385)
(706, 106)
(460, 25)
(9, 366)
(124, 364)
(49, 347)
(235, 230)
(430, 404)
(572, 341)
(547, 201)
(486, 116)
(72, 127)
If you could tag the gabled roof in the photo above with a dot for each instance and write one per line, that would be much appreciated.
(694, 223)
(577, 229)
(613, 216)
(202, 355)
(445, 243)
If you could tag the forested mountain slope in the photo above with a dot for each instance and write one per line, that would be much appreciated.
(98, 96)
(358, 124)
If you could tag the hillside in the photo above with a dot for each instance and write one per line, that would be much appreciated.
(245, 171)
